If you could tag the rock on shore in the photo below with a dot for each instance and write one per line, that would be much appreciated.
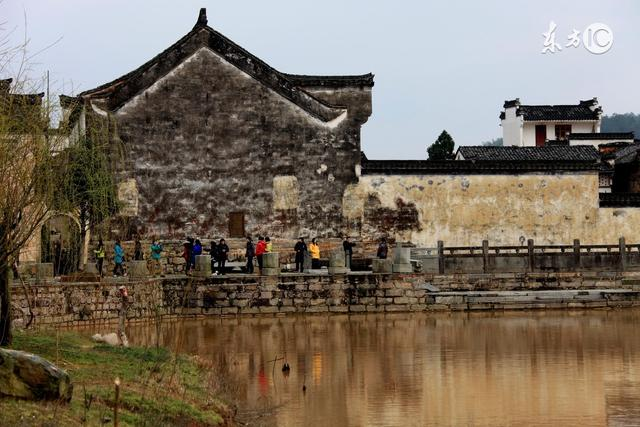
(28, 376)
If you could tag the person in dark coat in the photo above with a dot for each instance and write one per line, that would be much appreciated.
(186, 253)
(137, 250)
(383, 249)
(300, 248)
(249, 253)
(213, 251)
(223, 254)
(348, 245)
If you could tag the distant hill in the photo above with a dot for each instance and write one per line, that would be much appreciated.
(626, 122)
(497, 142)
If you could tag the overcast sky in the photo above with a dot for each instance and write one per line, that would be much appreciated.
(437, 64)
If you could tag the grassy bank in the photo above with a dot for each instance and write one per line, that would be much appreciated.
(157, 387)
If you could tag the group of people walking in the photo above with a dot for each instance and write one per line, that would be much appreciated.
(219, 252)
(119, 268)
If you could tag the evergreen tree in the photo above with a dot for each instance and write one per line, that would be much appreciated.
(442, 148)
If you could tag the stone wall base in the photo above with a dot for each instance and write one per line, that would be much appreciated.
(86, 303)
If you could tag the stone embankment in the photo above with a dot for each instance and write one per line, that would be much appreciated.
(83, 303)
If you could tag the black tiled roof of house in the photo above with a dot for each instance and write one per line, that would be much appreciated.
(550, 153)
(472, 167)
(627, 154)
(290, 86)
(602, 136)
(582, 111)
(330, 81)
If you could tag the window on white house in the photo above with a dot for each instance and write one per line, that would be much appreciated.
(563, 131)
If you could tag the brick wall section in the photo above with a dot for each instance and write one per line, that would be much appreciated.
(83, 303)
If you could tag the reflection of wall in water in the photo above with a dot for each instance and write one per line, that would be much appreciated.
(433, 369)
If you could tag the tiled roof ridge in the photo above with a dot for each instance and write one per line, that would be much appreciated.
(602, 135)
(330, 80)
(240, 58)
(412, 167)
(549, 153)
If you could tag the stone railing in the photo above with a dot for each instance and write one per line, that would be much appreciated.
(528, 258)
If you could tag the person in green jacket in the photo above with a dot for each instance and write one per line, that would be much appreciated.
(99, 253)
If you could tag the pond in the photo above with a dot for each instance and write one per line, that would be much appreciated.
(522, 368)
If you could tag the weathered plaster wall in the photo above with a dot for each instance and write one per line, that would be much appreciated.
(207, 140)
(466, 209)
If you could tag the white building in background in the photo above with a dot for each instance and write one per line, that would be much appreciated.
(535, 125)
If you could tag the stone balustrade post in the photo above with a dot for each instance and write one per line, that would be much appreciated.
(485, 256)
(440, 257)
(622, 249)
(271, 264)
(531, 254)
(203, 266)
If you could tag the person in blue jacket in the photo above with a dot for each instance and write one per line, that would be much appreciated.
(118, 259)
(197, 250)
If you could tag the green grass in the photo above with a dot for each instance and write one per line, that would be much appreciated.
(157, 387)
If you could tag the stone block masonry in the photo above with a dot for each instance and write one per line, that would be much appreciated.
(85, 303)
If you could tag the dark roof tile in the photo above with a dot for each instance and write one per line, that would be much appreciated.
(551, 153)
(330, 81)
(558, 112)
(585, 110)
(602, 136)
(472, 167)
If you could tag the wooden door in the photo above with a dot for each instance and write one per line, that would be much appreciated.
(236, 224)
(541, 135)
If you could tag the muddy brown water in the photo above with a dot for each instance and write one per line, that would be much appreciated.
(530, 368)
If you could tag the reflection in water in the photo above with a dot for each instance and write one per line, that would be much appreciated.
(545, 368)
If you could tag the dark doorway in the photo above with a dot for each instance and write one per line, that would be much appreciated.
(541, 135)
(236, 224)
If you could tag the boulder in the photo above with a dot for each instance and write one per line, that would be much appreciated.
(111, 339)
(28, 376)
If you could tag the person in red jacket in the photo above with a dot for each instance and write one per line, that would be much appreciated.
(261, 248)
